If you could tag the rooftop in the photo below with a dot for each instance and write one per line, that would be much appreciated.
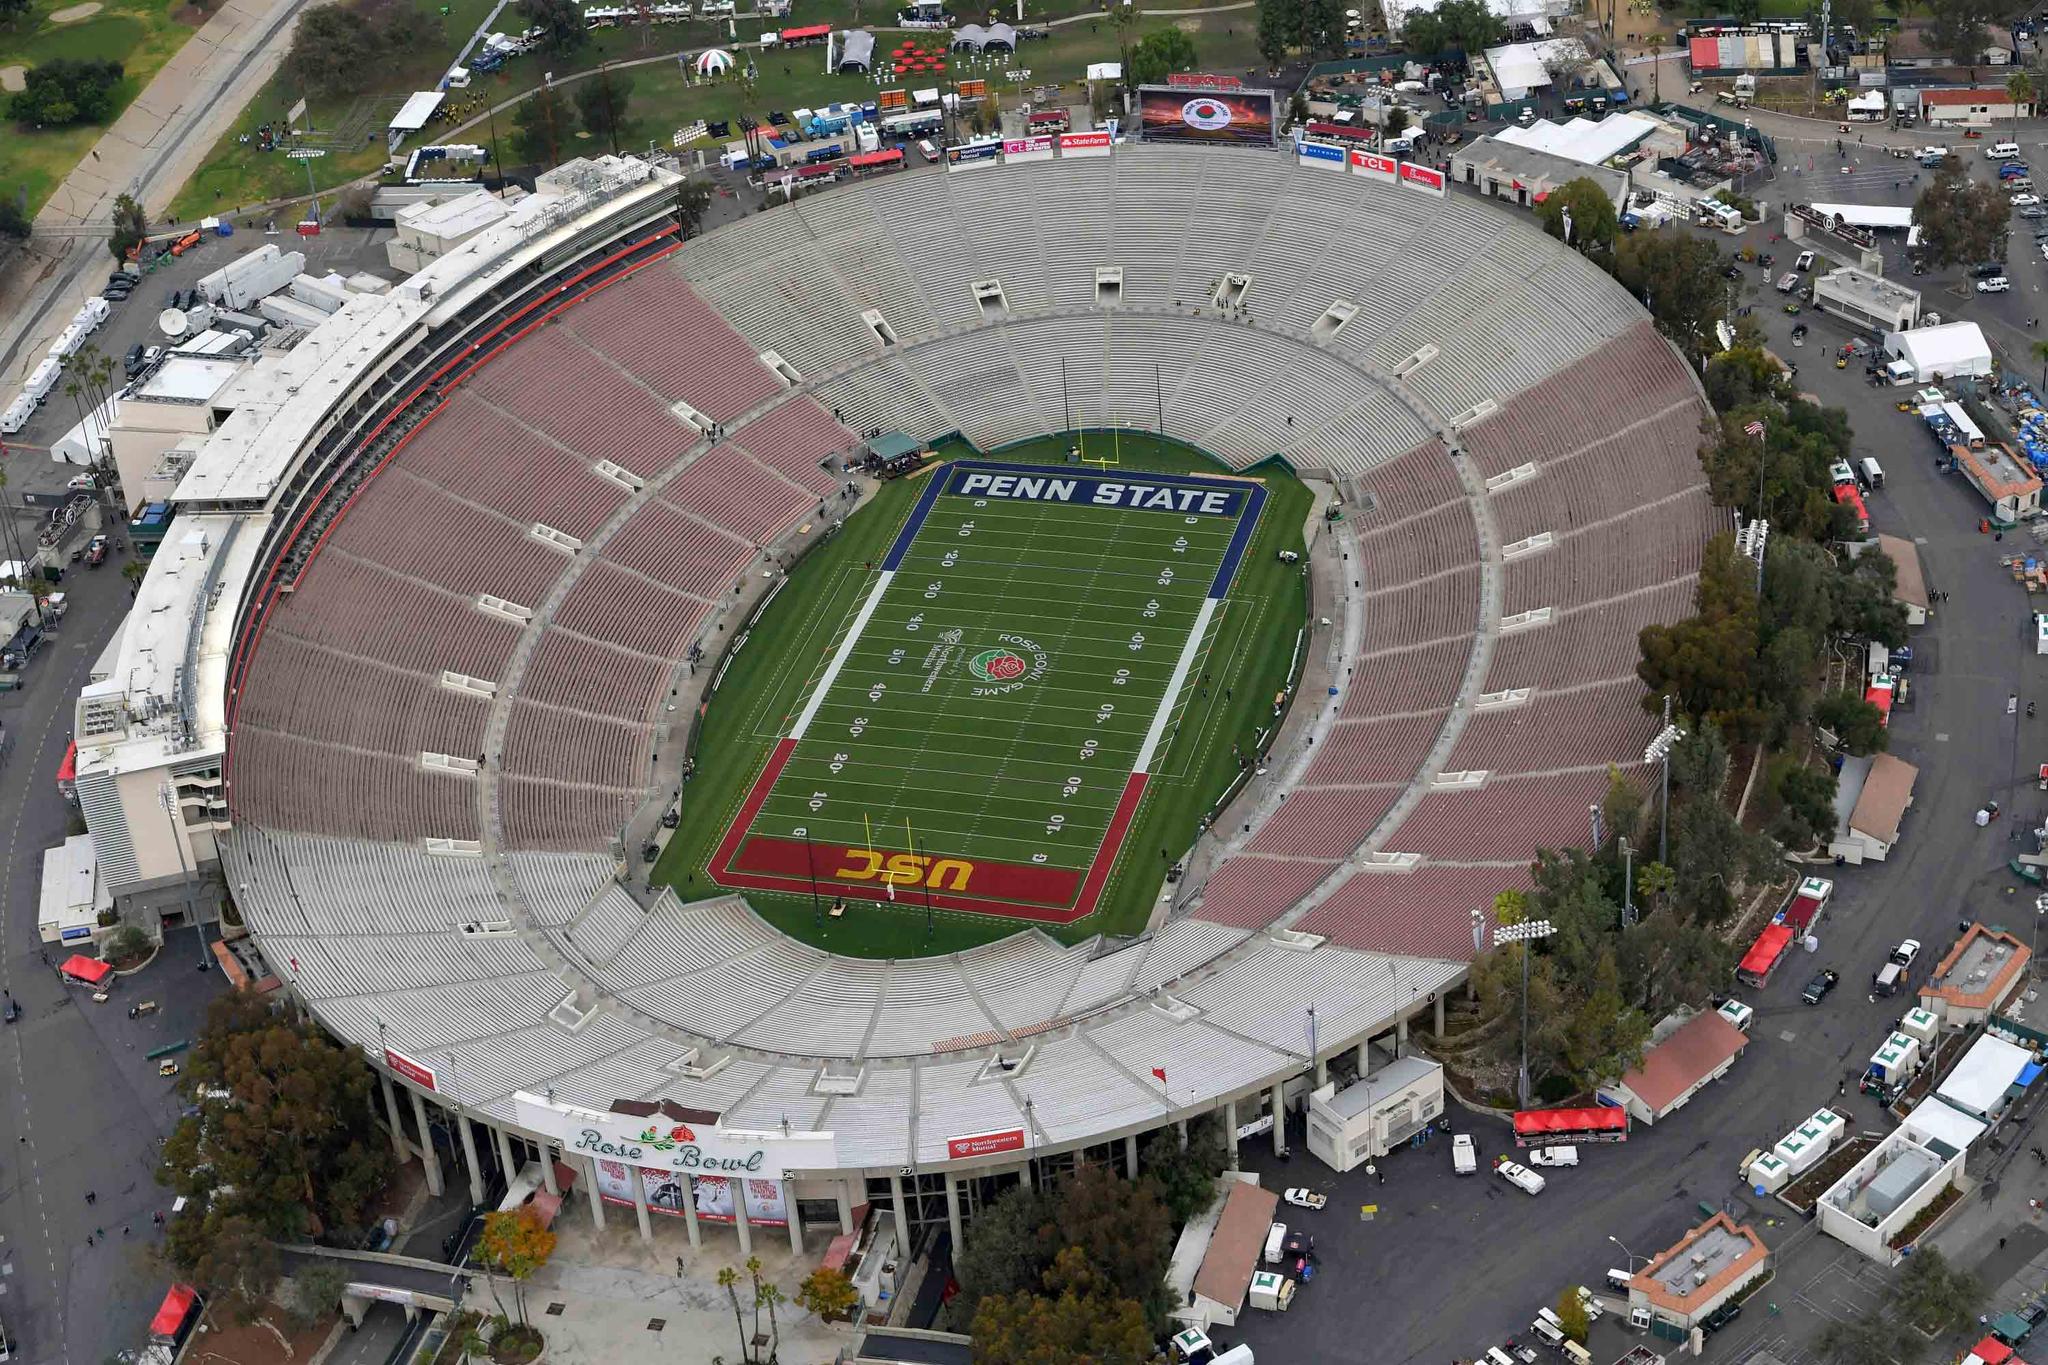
(1995, 470)
(1887, 791)
(1374, 1089)
(1506, 159)
(1716, 1254)
(1993, 95)
(1582, 140)
(1873, 291)
(1875, 1187)
(1226, 1272)
(462, 217)
(1905, 557)
(1980, 970)
(1695, 1049)
(1979, 1082)
(188, 379)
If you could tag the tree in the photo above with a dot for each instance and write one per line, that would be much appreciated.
(131, 225)
(1185, 1180)
(125, 942)
(1159, 54)
(1078, 1318)
(1510, 907)
(283, 1136)
(601, 103)
(1580, 213)
(1863, 605)
(560, 22)
(334, 52)
(1678, 277)
(1936, 1296)
(693, 196)
(240, 1267)
(1743, 376)
(1322, 24)
(1571, 1311)
(540, 127)
(2019, 88)
(1006, 1255)
(1278, 28)
(66, 90)
(1466, 26)
(1857, 723)
(317, 1288)
(2040, 350)
(1956, 27)
(14, 222)
(516, 1243)
(12, 11)
(828, 1293)
(1800, 803)
(1866, 1341)
(1960, 219)
(729, 1281)
(1126, 1232)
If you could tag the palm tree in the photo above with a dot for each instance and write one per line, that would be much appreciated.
(2040, 354)
(470, 1339)
(771, 1294)
(728, 1280)
(2019, 89)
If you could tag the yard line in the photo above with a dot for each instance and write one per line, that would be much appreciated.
(867, 609)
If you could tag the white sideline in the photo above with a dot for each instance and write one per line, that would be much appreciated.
(853, 632)
(1188, 650)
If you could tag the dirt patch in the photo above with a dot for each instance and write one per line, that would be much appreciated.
(191, 16)
(72, 14)
(14, 77)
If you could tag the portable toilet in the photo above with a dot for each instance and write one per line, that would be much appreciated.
(1769, 1173)
(1737, 1013)
(1895, 1059)
(1920, 1025)
(1798, 1152)
(1826, 1125)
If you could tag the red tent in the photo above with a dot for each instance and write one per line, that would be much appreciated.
(1536, 1123)
(170, 1317)
(90, 970)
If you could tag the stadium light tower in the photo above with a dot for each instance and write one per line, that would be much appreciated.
(1526, 932)
(1659, 751)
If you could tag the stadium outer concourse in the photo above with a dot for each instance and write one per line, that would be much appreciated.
(416, 666)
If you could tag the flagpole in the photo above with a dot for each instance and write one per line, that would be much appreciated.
(811, 866)
(926, 879)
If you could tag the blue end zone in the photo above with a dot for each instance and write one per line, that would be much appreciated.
(1247, 522)
(932, 489)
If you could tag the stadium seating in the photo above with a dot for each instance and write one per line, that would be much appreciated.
(463, 952)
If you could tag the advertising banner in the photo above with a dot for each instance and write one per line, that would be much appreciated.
(986, 1144)
(1085, 144)
(981, 152)
(1424, 178)
(1202, 80)
(1037, 148)
(1376, 167)
(402, 1065)
(1166, 114)
(1325, 153)
(766, 1201)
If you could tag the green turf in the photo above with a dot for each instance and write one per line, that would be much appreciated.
(931, 757)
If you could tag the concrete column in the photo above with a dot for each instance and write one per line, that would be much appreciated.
(1024, 1173)
(690, 1211)
(1364, 1059)
(739, 1220)
(505, 1153)
(796, 1219)
(846, 1207)
(1180, 1126)
(1279, 1122)
(476, 1167)
(1130, 1156)
(902, 1216)
(428, 1156)
(640, 1204)
(391, 1112)
(589, 1184)
(1322, 1072)
(547, 1168)
(1230, 1135)
(1439, 1030)
(953, 1217)
(1401, 1037)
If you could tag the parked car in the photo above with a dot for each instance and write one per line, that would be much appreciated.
(1805, 261)
(1554, 1156)
(1303, 1198)
(81, 483)
(1721, 1317)
(1908, 949)
(96, 552)
(1818, 988)
(1997, 284)
(2025, 200)
(2033, 211)
(1518, 1175)
(1984, 270)
(1464, 1156)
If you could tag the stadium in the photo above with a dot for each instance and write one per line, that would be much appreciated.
(452, 593)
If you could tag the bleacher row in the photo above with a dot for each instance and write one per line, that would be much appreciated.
(352, 684)
(1628, 516)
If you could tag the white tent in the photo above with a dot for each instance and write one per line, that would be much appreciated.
(713, 60)
(1872, 104)
(413, 116)
(1582, 139)
(1979, 1081)
(1893, 218)
(1950, 350)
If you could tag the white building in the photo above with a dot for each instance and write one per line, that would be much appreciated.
(1537, 14)
(1980, 1084)
(1951, 351)
(73, 896)
(1869, 301)
(427, 232)
(1870, 1206)
(1872, 795)
(1378, 1114)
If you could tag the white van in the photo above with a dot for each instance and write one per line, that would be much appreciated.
(1496, 1356)
(1872, 472)
(1275, 1240)
(2003, 151)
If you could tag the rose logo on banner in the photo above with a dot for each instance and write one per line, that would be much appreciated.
(1206, 114)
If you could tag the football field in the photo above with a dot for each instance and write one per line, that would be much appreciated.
(977, 733)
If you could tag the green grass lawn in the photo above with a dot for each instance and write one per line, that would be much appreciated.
(662, 100)
(977, 777)
(140, 34)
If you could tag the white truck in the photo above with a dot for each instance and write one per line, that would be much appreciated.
(1464, 1156)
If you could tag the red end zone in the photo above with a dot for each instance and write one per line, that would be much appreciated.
(976, 885)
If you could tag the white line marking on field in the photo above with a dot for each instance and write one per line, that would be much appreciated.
(1189, 648)
(860, 621)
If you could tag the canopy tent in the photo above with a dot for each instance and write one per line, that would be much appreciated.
(1581, 139)
(1541, 1122)
(417, 109)
(1868, 215)
(856, 50)
(171, 1314)
(90, 970)
(1951, 350)
(711, 61)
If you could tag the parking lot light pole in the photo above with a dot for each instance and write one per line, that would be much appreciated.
(1523, 933)
(2040, 909)
(1632, 1257)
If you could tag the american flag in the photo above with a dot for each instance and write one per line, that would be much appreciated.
(1755, 429)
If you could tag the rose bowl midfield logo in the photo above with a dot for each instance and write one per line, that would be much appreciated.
(1011, 663)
